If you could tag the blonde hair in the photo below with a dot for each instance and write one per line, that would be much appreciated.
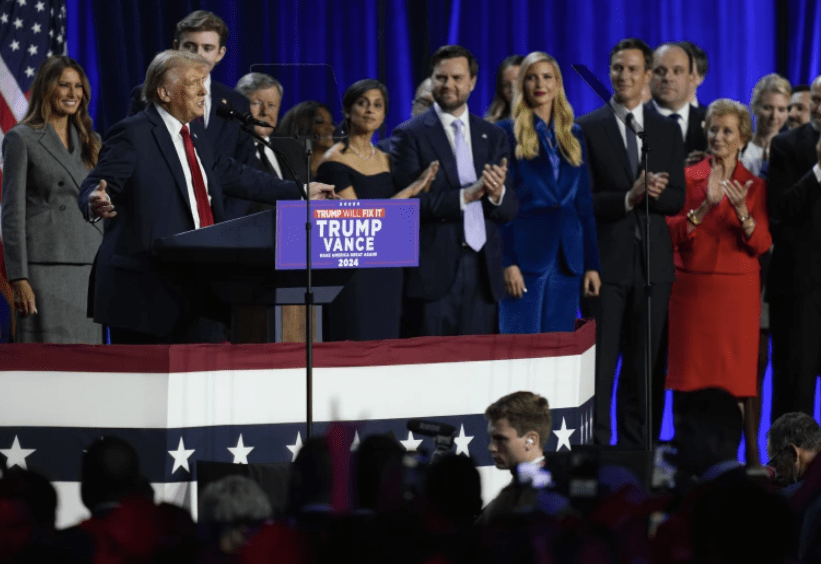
(726, 107)
(527, 142)
(772, 82)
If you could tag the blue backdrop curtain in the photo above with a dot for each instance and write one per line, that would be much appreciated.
(392, 40)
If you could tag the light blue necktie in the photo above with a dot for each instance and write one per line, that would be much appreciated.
(474, 218)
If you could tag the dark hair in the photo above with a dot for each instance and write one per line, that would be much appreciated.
(683, 48)
(800, 88)
(35, 491)
(633, 43)
(714, 411)
(354, 92)
(202, 20)
(699, 56)
(110, 471)
(42, 92)
(454, 52)
(795, 428)
(525, 412)
(299, 120)
(499, 108)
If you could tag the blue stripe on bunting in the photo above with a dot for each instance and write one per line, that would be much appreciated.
(58, 450)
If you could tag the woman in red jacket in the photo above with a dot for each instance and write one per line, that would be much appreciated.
(715, 303)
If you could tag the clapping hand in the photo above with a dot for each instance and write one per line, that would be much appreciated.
(715, 190)
(100, 202)
(493, 177)
(737, 195)
(657, 183)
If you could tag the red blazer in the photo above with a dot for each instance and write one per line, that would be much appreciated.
(718, 245)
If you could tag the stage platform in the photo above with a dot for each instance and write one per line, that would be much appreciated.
(246, 403)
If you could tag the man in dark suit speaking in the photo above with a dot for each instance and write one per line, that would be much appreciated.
(162, 180)
(618, 201)
(459, 281)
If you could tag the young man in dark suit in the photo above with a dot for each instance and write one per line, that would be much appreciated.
(156, 178)
(206, 34)
(618, 201)
(457, 287)
(794, 283)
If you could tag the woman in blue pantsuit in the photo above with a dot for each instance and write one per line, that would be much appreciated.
(550, 249)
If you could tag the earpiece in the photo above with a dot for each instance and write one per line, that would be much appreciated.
(530, 441)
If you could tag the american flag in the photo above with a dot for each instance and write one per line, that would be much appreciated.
(30, 31)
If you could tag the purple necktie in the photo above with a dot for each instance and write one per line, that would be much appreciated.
(474, 217)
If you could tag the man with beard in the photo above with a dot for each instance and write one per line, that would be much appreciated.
(459, 281)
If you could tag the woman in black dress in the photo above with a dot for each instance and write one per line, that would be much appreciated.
(370, 306)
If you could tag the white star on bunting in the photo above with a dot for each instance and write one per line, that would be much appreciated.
(21, 2)
(40, 6)
(240, 452)
(15, 45)
(355, 443)
(181, 457)
(295, 448)
(35, 28)
(410, 443)
(462, 442)
(4, 18)
(18, 23)
(564, 436)
(32, 49)
(16, 455)
(29, 71)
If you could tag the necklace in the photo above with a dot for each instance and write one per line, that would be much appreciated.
(358, 154)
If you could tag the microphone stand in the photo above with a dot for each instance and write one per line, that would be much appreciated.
(307, 142)
(605, 95)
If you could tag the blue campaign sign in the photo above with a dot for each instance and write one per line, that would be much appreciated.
(349, 234)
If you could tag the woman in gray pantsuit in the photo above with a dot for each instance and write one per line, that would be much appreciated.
(49, 246)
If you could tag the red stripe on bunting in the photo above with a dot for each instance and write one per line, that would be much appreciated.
(164, 359)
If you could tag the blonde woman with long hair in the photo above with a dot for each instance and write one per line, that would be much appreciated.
(550, 250)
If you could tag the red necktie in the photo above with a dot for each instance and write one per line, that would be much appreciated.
(203, 206)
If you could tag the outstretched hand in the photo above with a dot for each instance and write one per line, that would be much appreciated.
(100, 202)
(319, 191)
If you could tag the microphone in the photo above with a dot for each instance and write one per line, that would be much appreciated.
(245, 118)
(431, 428)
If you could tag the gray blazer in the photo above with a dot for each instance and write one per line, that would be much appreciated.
(40, 219)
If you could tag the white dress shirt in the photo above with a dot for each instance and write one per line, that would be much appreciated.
(684, 112)
(207, 84)
(174, 126)
(272, 158)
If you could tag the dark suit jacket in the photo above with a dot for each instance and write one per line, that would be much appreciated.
(414, 145)
(225, 136)
(145, 179)
(792, 155)
(696, 139)
(611, 179)
(286, 149)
